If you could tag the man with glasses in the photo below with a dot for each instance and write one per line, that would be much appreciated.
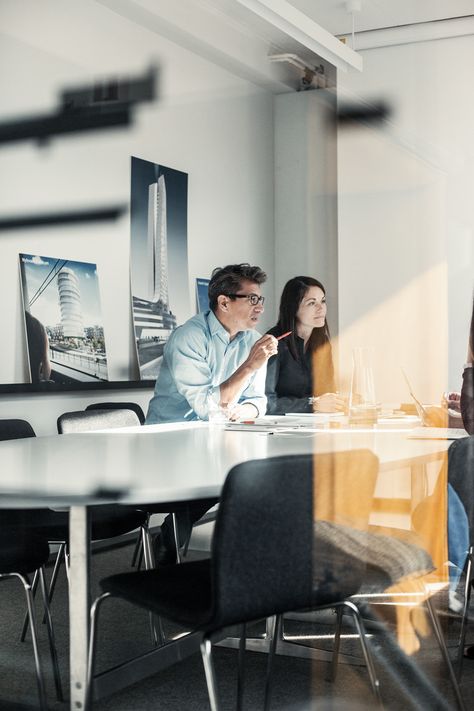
(214, 364)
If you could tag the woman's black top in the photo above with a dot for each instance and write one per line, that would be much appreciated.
(289, 381)
(467, 400)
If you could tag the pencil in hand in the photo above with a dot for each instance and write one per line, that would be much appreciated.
(284, 335)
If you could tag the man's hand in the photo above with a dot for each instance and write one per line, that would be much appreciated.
(329, 402)
(261, 351)
(235, 412)
(452, 400)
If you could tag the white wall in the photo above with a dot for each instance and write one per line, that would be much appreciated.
(306, 192)
(207, 122)
(406, 217)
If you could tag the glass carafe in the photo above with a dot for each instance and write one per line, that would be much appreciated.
(363, 408)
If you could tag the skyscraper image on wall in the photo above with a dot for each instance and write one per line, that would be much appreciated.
(159, 269)
(70, 303)
(63, 321)
(158, 241)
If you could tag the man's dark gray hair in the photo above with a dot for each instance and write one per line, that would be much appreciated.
(228, 280)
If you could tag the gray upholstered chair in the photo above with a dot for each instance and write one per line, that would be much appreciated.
(135, 407)
(96, 419)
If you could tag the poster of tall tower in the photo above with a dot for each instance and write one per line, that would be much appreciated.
(63, 320)
(158, 259)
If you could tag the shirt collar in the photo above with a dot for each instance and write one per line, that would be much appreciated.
(217, 329)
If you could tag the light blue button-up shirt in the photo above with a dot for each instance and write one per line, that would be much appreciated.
(198, 357)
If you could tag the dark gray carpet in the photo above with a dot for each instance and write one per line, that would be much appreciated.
(298, 684)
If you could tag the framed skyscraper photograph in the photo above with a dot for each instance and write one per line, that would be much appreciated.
(63, 320)
(158, 259)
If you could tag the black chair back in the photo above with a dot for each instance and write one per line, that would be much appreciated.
(15, 429)
(119, 406)
(266, 556)
(88, 421)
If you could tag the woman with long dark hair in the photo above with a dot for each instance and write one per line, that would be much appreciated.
(300, 378)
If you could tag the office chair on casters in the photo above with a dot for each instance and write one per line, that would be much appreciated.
(265, 560)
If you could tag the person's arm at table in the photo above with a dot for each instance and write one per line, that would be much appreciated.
(232, 388)
(187, 356)
(252, 402)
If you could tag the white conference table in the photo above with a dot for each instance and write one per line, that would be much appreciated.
(159, 463)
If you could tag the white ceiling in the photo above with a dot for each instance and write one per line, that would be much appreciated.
(373, 14)
(230, 34)
(238, 39)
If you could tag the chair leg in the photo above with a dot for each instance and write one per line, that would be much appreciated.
(276, 624)
(176, 536)
(136, 551)
(52, 642)
(156, 625)
(241, 667)
(139, 544)
(206, 653)
(467, 599)
(34, 638)
(444, 651)
(146, 547)
(186, 546)
(57, 566)
(140, 557)
(94, 617)
(354, 611)
(66, 563)
(337, 645)
(61, 555)
(26, 619)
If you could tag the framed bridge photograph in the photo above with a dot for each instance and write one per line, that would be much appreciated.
(63, 320)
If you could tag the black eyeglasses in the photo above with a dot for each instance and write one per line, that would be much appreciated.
(253, 298)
